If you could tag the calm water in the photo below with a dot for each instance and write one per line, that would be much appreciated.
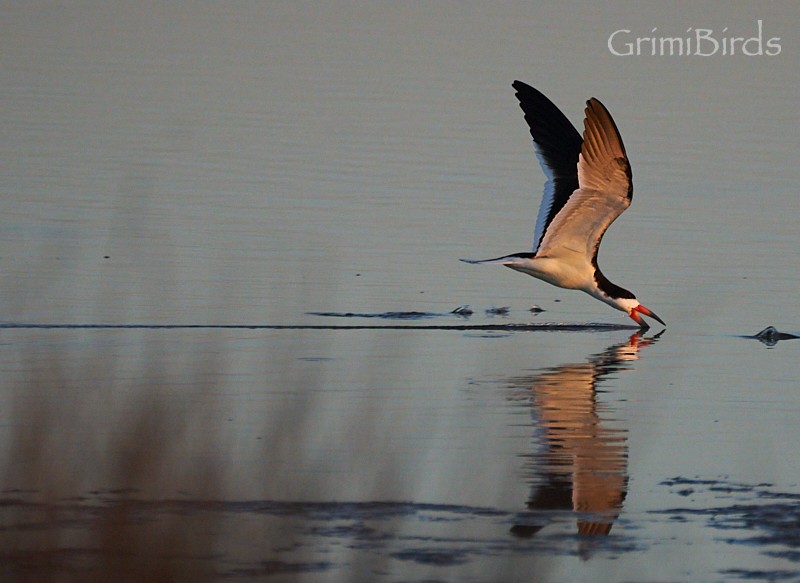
(257, 164)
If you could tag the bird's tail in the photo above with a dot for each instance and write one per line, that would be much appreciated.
(504, 260)
(476, 261)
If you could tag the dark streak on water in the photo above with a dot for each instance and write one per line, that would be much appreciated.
(448, 535)
(443, 535)
(757, 516)
(381, 315)
(434, 535)
(543, 327)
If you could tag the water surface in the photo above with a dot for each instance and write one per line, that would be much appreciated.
(234, 193)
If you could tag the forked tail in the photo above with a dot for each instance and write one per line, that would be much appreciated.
(504, 260)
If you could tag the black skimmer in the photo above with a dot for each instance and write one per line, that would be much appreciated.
(588, 186)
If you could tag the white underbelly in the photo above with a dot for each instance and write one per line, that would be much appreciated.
(558, 273)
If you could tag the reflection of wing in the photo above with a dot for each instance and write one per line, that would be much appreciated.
(584, 463)
(581, 453)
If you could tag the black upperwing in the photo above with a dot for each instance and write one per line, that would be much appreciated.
(557, 144)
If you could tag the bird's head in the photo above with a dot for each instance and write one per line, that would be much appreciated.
(636, 310)
(626, 302)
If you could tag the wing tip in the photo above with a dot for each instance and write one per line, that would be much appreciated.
(598, 121)
(602, 145)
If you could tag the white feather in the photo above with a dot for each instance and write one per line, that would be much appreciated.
(547, 199)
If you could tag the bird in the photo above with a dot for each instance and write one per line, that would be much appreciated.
(589, 184)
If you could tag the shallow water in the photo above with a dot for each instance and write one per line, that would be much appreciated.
(230, 261)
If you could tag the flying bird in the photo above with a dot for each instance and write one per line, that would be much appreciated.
(589, 184)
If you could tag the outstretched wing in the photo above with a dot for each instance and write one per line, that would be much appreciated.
(557, 144)
(605, 190)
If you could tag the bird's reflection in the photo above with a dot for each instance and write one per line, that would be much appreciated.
(583, 465)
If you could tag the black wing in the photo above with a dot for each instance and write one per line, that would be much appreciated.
(557, 144)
